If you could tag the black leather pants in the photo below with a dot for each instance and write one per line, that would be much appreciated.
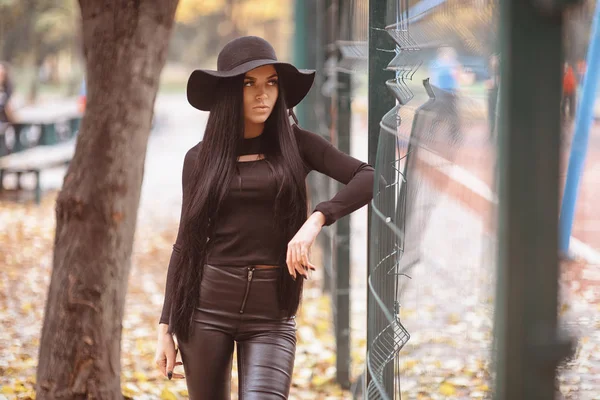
(239, 305)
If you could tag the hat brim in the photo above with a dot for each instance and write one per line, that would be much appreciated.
(203, 82)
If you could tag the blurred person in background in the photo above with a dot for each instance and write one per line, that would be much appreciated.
(569, 95)
(82, 98)
(492, 85)
(445, 71)
(241, 255)
(6, 91)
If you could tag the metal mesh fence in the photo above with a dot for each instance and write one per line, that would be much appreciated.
(420, 142)
(432, 258)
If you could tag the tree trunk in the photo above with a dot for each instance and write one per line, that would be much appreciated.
(125, 45)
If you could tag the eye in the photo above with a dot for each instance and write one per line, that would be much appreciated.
(274, 82)
(248, 83)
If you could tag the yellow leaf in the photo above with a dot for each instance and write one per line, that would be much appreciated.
(140, 376)
(454, 318)
(408, 365)
(563, 309)
(406, 313)
(166, 394)
(447, 389)
(320, 380)
(483, 388)
(7, 390)
(189, 10)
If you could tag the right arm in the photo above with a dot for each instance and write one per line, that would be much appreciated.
(188, 167)
(166, 352)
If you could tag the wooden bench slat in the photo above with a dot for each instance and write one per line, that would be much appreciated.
(39, 157)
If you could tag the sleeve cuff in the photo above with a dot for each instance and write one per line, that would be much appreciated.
(329, 218)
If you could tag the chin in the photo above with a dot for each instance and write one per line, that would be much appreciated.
(259, 120)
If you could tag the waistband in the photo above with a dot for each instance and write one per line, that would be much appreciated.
(242, 271)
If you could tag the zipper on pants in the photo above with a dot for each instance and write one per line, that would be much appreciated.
(248, 280)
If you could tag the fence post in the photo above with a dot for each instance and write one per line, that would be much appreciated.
(300, 49)
(527, 346)
(380, 102)
(341, 240)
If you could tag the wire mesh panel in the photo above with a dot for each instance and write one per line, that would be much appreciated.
(422, 185)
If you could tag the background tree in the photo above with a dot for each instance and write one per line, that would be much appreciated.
(125, 45)
(34, 32)
(205, 26)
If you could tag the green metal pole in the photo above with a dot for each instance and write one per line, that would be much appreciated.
(300, 46)
(380, 101)
(323, 120)
(341, 255)
(527, 348)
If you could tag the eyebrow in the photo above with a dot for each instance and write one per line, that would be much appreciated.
(253, 78)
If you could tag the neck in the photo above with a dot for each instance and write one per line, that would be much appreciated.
(252, 130)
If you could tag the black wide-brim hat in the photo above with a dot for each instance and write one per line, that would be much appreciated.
(240, 56)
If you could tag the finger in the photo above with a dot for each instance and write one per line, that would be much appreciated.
(298, 261)
(300, 268)
(161, 363)
(301, 259)
(311, 269)
(288, 261)
(312, 266)
(177, 375)
(301, 271)
(305, 261)
(294, 255)
(170, 364)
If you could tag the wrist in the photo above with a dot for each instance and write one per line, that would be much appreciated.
(318, 218)
(163, 329)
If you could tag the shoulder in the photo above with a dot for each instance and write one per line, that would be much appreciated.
(192, 154)
(308, 140)
(190, 158)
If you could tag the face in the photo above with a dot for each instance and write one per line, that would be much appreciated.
(260, 94)
(2, 73)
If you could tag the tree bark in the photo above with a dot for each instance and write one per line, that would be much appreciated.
(125, 44)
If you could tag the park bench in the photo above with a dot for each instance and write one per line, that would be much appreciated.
(33, 146)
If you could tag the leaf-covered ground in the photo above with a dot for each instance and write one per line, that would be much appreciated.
(447, 309)
(26, 237)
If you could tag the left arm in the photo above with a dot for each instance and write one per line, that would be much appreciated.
(357, 176)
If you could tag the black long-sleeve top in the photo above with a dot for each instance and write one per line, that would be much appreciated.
(245, 233)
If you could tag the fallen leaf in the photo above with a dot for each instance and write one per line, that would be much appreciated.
(447, 389)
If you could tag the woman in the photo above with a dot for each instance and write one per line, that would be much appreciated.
(5, 95)
(242, 250)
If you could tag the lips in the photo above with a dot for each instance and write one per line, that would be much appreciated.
(261, 107)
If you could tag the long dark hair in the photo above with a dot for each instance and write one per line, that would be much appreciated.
(213, 173)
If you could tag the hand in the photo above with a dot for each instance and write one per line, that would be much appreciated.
(166, 353)
(299, 247)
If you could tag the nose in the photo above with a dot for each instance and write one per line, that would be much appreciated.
(262, 95)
